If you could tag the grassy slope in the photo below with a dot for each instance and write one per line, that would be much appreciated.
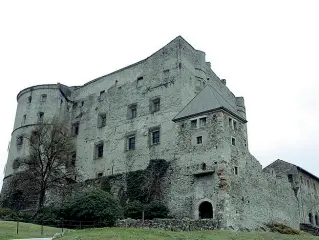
(26, 230)
(152, 234)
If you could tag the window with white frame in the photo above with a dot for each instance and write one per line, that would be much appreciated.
(202, 122)
(131, 142)
(155, 136)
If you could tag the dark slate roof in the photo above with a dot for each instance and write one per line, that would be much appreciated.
(207, 100)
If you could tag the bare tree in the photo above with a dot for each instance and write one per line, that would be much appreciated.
(51, 160)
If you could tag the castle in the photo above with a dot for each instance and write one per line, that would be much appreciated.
(171, 106)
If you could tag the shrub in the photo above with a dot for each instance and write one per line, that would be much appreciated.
(7, 214)
(134, 210)
(156, 210)
(281, 228)
(95, 205)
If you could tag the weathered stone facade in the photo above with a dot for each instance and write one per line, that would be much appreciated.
(170, 106)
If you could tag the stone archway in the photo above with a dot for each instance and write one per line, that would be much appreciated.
(205, 210)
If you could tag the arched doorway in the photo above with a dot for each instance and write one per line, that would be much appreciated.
(205, 210)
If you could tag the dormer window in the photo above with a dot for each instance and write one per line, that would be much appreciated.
(202, 122)
(194, 124)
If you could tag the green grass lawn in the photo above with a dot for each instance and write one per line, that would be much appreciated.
(8, 230)
(153, 234)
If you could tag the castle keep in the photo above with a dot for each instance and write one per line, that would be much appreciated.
(171, 106)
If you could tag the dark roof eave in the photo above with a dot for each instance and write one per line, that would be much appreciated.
(211, 111)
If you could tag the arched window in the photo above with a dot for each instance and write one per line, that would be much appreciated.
(40, 117)
(310, 218)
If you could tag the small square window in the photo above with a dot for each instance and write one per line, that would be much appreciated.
(194, 124)
(233, 141)
(131, 143)
(99, 149)
(102, 120)
(43, 98)
(20, 141)
(155, 105)
(75, 128)
(290, 179)
(199, 140)
(132, 111)
(202, 122)
(155, 137)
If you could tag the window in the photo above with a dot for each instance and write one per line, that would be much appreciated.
(19, 141)
(166, 74)
(75, 128)
(100, 175)
(102, 95)
(82, 103)
(203, 166)
(308, 183)
(230, 122)
(301, 179)
(75, 105)
(316, 220)
(102, 120)
(233, 141)
(29, 99)
(155, 136)
(202, 122)
(132, 111)
(139, 81)
(99, 148)
(16, 163)
(155, 105)
(24, 119)
(43, 98)
(194, 124)
(131, 143)
(234, 125)
(199, 140)
(73, 159)
(40, 117)
(310, 218)
(290, 178)
(236, 170)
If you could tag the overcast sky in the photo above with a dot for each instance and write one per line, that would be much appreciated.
(267, 50)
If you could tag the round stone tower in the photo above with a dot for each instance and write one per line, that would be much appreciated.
(36, 104)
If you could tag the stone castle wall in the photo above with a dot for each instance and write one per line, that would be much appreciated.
(219, 170)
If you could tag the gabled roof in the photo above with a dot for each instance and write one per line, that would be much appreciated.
(207, 100)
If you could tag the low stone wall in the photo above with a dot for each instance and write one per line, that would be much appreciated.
(309, 229)
(169, 224)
